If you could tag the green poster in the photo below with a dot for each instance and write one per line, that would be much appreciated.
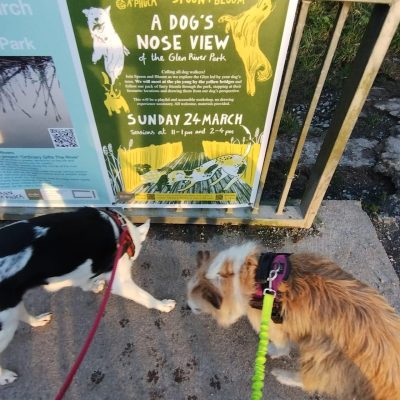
(183, 93)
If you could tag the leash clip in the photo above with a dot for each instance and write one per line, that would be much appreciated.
(270, 291)
(272, 276)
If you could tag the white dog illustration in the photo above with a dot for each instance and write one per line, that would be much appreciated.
(106, 42)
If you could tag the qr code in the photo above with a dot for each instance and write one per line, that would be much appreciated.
(63, 137)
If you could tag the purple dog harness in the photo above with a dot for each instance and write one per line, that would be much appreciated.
(273, 268)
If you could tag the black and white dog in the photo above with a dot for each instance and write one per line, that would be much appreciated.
(65, 249)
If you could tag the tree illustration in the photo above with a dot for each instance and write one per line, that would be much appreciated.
(31, 78)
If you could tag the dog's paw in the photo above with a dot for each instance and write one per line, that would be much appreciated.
(7, 376)
(98, 286)
(41, 320)
(167, 305)
(289, 378)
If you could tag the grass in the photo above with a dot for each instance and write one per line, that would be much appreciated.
(374, 206)
(374, 119)
(320, 23)
(371, 208)
(289, 125)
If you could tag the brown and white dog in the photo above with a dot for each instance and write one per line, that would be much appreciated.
(347, 334)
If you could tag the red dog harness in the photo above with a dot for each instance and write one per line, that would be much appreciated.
(127, 243)
(273, 268)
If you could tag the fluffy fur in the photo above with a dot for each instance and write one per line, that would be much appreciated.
(347, 335)
(61, 250)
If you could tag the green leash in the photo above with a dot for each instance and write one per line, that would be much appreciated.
(261, 355)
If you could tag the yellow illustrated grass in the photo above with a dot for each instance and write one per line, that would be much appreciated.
(214, 149)
(155, 156)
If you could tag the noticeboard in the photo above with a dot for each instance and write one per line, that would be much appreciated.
(163, 102)
(48, 154)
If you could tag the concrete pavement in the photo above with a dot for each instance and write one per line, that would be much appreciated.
(143, 354)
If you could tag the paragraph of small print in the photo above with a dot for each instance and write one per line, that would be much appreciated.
(63, 137)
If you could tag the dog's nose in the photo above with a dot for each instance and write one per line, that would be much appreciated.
(194, 310)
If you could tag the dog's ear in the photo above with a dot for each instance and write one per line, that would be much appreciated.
(202, 257)
(107, 10)
(211, 294)
(86, 12)
(214, 298)
(143, 229)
